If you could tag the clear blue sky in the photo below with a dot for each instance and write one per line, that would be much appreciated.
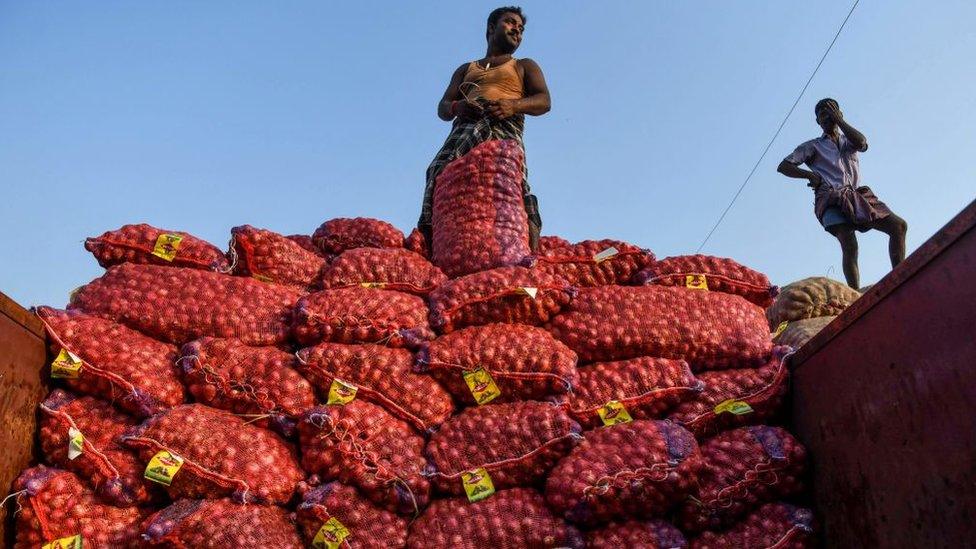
(199, 116)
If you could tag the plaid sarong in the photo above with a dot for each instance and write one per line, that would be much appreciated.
(465, 136)
(858, 204)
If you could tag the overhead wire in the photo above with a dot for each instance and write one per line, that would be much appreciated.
(778, 130)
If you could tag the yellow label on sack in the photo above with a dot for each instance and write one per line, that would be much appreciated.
(70, 542)
(529, 291)
(167, 245)
(66, 365)
(477, 484)
(330, 535)
(614, 412)
(341, 392)
(482, 386)
(696, 282)
(76, 443)
(782, 326)
(163, 467)
(261, 277)
(606, 254)
(372, 284)
(732, 406)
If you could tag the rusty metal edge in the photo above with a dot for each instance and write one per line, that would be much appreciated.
(958, 226)
(21, 316)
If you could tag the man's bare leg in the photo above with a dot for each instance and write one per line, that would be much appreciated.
(848, 246)
(896, 228)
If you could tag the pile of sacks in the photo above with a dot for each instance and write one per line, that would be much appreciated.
(343, 390)
(805, 307)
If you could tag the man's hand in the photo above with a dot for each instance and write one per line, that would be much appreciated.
(853, 135)
(814, 180)
(467, 111)
(502, 109)
(834, 112)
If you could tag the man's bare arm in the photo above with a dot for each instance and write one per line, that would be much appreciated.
(791, 170)
(856, 138)
(536, 100)
(453, 93)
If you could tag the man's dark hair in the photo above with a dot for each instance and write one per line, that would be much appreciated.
(497, 14)
(823, 103)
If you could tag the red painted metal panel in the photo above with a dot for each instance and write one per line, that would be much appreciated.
(22, 386)
(885, 399)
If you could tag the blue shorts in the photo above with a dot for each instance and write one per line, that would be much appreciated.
(833, 216)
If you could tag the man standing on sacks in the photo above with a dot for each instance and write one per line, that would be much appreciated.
(488, 99)
(840, 204)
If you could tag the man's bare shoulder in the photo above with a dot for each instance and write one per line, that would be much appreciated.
(527, 62)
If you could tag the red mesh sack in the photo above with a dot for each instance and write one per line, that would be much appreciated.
(368, 526)
(514, 295)
(305, 241)
(479, 219)
(743, 468)
(595, 262)
(549, 243)
(733, 398)
(136, 373)
(645, 387)
(509, 519)
(774, 525)
(146, 244)
(81, 434)
(651, 534)
(271, 257)
(710, 330)
(516, 444)
(386, 268)
(361, 315)
(338, 235)
(717, 274)
(54, 505)
(381, 375)
(417, 244)
(361, 444)
(221, 523)
(637, 469)
(524, 362)
(180, 305)
(256, 382)
(222, 455)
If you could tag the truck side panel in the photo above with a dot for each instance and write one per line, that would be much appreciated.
(884, 399)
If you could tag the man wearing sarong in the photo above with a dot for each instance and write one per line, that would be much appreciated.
(488, 99)
(839, 203)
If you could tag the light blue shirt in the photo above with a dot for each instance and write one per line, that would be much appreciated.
(835, 163)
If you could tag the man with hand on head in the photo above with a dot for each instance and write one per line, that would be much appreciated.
(488, 99)
(841, 206)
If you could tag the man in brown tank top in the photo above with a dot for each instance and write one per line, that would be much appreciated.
(488, 99)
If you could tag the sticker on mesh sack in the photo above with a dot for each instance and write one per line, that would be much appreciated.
(482, 385)
(330, 535)
(477, 484)
(614, 412)
(163, 467)
(341, 392)
(66, 365)
(167, 246)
